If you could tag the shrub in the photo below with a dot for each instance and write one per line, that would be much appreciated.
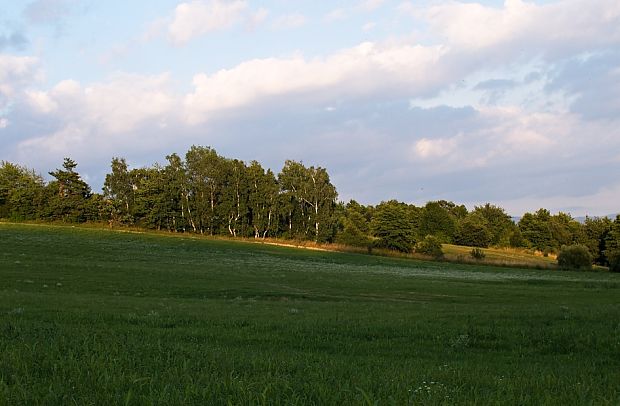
(477, 253)
(575, 257)
(430, 246)
(613, 257)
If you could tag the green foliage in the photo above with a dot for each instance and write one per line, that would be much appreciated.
(612, 245)
(595, 231)
(473, 231)
(499, 224)
(565, 230)
(612, 238)
(548, 233)
(352, 235)
(262, 200)
(205, 180)
(21, 192)
(477, 253)
(516, 239)
(437, 219)
(151, 202)
(176, 194)
(360, 215)
(354, 228)
(118, 188)
(575, 257)
(613, 259)
(67, 196)
(234, 205)
(392, 227)
(308, 201)
(430, 246)
(536, 230)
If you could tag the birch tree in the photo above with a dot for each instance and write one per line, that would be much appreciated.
(119, 189)
(234, 195)
(204, 171)
(309, 197)
(262, 199)
(321, 197)
(177, 191)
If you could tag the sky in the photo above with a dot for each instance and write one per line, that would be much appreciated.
(513, 102)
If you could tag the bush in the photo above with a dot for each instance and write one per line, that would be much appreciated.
(575, 257)
(613, 257)
(477, 253)
(430, 246)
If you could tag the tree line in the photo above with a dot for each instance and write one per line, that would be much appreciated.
(206, 193)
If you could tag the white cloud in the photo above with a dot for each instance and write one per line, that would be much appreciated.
(58, 143)
(365, 6)
(116, 106)
(369, 26)
(198, 17)
(571, 23)
(17, 72)
(370, 5)
(47, 11)
(506, 136)
(41, 101)
(363, 70)
(335, 15)
(95, 121)
(153, 30)
(257, 18)
(520, 132)
(436, 148)
(289, 21)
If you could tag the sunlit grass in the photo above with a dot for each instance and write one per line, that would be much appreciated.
(502, 256)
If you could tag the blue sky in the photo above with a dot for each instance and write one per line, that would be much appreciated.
(512, 102)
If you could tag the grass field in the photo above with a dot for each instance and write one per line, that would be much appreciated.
(99, 317)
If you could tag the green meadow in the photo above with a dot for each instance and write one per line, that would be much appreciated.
(99, 317)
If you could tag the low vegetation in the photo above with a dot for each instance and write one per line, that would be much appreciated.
(576, 257)
(477, 253)
(90, 316)
(614, 260)
(430, 246)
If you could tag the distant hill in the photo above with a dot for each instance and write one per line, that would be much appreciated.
(580, 219)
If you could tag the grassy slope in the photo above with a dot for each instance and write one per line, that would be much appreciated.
(105, 317)
(501, 256)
